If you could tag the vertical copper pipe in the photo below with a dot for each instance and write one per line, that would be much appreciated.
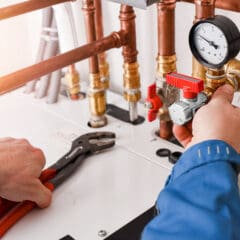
(89, 14)
(131, 75)
(103, 64)
(166, 27)
(166, 61)
(96, 93)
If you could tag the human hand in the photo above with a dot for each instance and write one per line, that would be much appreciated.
(218, 119)
(20, 168)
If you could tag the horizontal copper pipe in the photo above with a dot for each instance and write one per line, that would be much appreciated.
(233, 5)
(20, 77)
(25, 7)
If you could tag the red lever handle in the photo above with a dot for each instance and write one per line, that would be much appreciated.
(191, 86)
(154, 101)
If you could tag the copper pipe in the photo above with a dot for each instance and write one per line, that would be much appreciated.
(99, 25)
(131, 77)
(103, 64)
(233, 5)
(166, 61)
(18, 78)
(127, 19)
(26, 6)
(166, 27)
(89, 14)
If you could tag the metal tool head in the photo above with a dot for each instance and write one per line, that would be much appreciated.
(95, 141)
(137, 3)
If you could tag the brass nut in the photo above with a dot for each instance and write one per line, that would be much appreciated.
(165, 65)
(95, 82)
(132, 97)
(131, 77)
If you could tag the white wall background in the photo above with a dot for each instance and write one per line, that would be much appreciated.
(19, 38)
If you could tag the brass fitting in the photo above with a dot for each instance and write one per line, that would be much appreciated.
(97, 102)
(165, 65)
(198, 70)
(104, 74)
(131, 82)
(232, 69)
(216, 78)
(73, 83)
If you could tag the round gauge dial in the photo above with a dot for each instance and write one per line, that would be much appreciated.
(214, 41)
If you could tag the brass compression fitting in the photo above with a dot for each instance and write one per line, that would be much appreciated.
(131, 84)
(97, 102)
(73, 82)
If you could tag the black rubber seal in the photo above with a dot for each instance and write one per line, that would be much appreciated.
(174, 156)
(163, 152)
(67, 237)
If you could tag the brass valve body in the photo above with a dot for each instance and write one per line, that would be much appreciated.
(131, 82)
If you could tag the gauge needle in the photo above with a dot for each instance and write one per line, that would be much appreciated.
(211, 43)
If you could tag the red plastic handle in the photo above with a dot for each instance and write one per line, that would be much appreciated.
(18, 212)
(155, 102)
(191, 86)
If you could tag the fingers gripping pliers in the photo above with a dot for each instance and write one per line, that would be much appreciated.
(82, 147)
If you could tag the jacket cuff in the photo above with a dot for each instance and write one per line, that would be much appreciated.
(204, 153)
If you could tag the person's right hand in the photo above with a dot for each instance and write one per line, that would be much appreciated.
(218, 119)
(20, 168)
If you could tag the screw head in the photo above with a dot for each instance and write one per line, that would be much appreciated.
(102, 233)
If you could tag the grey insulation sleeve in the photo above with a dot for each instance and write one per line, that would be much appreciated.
(54, 86)
(50, 51)
(47, 15)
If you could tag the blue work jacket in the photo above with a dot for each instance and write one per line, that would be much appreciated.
(200, 200)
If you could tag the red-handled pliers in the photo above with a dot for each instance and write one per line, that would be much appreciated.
(53, 176)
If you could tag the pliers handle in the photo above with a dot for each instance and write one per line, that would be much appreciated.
(51, 177)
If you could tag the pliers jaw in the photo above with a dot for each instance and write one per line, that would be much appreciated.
(95, 142)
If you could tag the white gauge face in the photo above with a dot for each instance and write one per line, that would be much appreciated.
(211, 43)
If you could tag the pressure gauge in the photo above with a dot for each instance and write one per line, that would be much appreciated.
(214, 41)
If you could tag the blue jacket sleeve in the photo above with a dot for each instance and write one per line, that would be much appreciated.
(201, 197)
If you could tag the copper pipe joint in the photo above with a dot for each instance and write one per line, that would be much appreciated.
(127, 19)
(232, 69)
(204, 9)
(131, 82)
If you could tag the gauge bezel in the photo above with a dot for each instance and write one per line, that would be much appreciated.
(231, 33)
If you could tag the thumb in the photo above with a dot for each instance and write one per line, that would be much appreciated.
(224, 93)
(41, 195)
(183, 133)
